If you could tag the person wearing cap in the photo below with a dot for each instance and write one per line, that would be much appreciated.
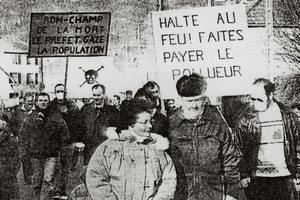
(202, 147)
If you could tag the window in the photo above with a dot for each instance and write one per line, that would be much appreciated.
(17, 59)
(32, 78)
(13, 95)
(36, 78)
(28, 60)
(36, 61)
(15, 78)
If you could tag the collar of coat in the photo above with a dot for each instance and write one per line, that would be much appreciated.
(24, 109)
(210, 114)
(158, 141)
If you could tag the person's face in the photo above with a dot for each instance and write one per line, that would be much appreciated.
(193, 106)
(142, 125)
(116, 101)
(259, 99)
(128, 96)
(297, 112)
(154, 91)
(85, 100)
(171, 102)
(42, 102)
(59, 92)
(28, 103)
(98, 96)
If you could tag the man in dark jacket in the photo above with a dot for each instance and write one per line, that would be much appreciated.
(270, 147)
(68, 110)
(153, 88)
(9, 163)
(16, 121)
(128, 97)
(20, 112)
(71, 114)
(96, 117)
(202, 147)
(42, 135)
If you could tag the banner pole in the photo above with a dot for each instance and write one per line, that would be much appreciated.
(66, 76)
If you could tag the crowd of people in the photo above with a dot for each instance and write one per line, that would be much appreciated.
(142, 148)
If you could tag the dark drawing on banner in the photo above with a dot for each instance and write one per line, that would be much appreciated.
(90, 75)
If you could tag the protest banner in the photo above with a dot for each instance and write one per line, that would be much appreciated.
(211, 41)
(69, 34)
(88, 71)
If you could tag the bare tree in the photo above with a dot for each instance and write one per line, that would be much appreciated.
(286, 22)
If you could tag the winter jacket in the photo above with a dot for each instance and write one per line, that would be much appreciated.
(123, 169)
(249, 137)
(9, 163)
(160, 124)
(43, 136)
(95, 124)
(71, 117)
(17, 118)
(204, 155)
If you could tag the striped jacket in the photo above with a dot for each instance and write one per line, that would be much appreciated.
(249, 137)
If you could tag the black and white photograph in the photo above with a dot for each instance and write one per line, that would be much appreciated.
(150, 100)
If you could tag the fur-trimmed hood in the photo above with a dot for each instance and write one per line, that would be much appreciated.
(159, 141)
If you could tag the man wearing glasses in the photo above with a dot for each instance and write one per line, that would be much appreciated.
(202, 147)
(270, 147)
(96, 117)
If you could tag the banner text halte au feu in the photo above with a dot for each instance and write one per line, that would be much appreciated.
(202, 38)
(209, 41)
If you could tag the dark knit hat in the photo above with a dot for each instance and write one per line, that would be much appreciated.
(190, 86)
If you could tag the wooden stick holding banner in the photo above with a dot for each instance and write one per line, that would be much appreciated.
(66, 77)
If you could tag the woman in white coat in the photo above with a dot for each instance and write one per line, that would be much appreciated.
(134, 165)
